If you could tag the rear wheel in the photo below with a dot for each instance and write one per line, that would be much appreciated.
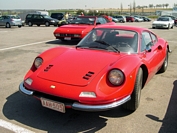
(8, 25)
(165, 64)
(19, 26)
(30, 23)
(136, 94)
(38, 24)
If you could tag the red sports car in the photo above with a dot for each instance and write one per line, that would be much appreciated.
(107, 68)
(79, 27)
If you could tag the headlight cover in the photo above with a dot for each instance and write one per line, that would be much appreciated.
(116, 77)
(38, 62)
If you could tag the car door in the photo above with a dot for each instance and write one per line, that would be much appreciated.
(150, 52)
(1, 19)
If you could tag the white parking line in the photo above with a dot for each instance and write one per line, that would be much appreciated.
(13, 127)
(24, 45)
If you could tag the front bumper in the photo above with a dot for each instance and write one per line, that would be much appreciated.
(83, 107)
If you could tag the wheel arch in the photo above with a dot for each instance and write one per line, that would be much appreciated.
(145, 74)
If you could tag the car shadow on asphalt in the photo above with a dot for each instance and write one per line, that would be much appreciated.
(59, 42)
(28, 111)
(169, 123)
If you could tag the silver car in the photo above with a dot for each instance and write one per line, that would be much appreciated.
(10, 20)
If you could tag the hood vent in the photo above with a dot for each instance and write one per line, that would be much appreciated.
(48, 68)
(88, 75)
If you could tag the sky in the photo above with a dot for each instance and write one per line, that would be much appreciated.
(77, 4)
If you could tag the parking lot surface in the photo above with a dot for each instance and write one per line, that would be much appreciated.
(18, 48)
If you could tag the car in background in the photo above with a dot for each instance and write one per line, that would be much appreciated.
(146, 19)
(58, 16)
(40, 19)
(80, 27)
(163, 22)
(108, 68)
(130, 19)
(121, 18)
(173, 17)
(138, 19)
(10, 20)
(114, 19)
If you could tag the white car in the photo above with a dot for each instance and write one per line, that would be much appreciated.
(137, 19)
(163, 22)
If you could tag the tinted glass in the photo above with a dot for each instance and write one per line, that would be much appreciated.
(111, 39)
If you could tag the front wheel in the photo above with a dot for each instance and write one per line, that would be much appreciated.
(136, 94)
(19, 26)
(47, 24)
(30, 24)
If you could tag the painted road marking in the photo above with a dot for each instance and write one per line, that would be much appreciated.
(24, 45)
(13, 127)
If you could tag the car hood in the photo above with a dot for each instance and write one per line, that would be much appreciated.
(77, 67)
(160, 22)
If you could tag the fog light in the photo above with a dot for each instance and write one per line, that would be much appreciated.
(29, 81)
(87, 94)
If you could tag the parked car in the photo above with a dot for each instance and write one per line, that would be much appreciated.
(79, 27)
(172, 17)
(138, 19)
(114, 19)
(108, 68)
(40, 19)
(120, 18)
(58, 16)
(163, 22)
(10, 20)
(145, 18)
(130, 19)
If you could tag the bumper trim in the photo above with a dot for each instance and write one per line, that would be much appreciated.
(23, 90)
(83, 107)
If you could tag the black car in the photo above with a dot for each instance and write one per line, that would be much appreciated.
(58, 16)
(40, 19)
(145, 19)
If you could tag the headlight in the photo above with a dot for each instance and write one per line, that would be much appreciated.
(38, 62)
(116, 77)
(52, 21)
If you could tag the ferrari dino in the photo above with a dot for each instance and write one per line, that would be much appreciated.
(79, 27)
(109, 67)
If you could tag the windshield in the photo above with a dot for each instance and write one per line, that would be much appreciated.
(111, 40)
(163, 19)
(83, 20)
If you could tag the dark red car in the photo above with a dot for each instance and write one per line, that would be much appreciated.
(130, 19)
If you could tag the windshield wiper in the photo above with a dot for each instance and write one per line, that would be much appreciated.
(105, 43)
(80, 46)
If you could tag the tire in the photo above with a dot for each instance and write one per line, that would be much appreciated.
(47, 24)
(30, 23)
(165, 64)
(168, 27)
(19, 26)
(8, 25)
(136, 94)
(38, 24)
(172, 27)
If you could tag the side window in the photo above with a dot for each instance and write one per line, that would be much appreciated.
(35, 16)
(40, 17)
(146, 41)
(104, 20)
(154, 39)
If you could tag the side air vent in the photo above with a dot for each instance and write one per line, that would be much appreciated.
(48, 68)
(88, 75)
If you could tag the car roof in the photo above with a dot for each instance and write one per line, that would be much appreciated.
(123, 27)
